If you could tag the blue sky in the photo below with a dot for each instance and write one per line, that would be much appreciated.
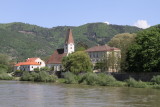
(51, 13)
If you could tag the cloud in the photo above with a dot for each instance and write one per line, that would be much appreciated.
(107, 22)
(142, 24)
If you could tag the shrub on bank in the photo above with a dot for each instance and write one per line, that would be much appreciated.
(156, 86)
(39, 77)
(137, 84)
(101, 79)
(106, 80)
(156, 79)
(70, 78)
(89, 79)
(4, 75)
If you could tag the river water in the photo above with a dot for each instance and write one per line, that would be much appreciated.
(29, 94)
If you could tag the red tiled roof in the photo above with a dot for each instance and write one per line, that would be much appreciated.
(31, 59)
(27, 63)
(56, 57)
(69, 38)
(19, 64)
(101, 48)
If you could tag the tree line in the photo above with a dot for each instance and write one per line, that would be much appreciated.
(140, 52)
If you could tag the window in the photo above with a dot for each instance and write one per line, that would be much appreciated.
(93, 55)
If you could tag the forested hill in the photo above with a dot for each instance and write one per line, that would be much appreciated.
(21, 40)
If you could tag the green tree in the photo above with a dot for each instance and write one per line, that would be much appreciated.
(4, 59)
(122, 41)
(109, 61)
(77, 62)
(144, 55)
(6, 63)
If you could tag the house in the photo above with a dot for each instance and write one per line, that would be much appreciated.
(30, 64)
(55, 60)
(98, 53)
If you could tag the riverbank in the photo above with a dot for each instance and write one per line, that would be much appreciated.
(93, 79)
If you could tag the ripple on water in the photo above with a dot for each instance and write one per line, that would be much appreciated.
(29, 94)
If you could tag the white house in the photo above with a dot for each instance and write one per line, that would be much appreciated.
(30, 64)
(55, 60)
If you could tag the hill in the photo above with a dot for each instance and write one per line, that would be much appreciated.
(21, 40)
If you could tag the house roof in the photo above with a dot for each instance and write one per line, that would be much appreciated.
(31, 59)
(101, 48)
(69, 37)
(27, 63)
(19, 64)
(56, 57)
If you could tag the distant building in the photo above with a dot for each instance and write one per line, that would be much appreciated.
(30, 64)
(55, 60)
(98, 53)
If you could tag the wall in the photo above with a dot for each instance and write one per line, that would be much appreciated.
(38, 60)
(137, 76)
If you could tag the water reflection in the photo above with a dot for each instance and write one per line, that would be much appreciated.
(27, 94)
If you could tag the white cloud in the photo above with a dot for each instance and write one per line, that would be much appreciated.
(142, 24)
(107, 22)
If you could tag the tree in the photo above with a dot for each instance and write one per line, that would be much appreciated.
(5, 63)
(77, 62)
(122, 41)
(110, 62)
(4, 59)
(144, 55)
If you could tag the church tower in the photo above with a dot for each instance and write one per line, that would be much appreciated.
(69, 43)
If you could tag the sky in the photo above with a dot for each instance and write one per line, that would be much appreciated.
(52, 13)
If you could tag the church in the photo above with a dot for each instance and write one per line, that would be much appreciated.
(55, 60)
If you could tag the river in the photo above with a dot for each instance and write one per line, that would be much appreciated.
(29, 94)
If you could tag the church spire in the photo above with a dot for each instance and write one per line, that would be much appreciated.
(69, 42)
(69, 38)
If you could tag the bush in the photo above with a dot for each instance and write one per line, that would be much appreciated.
(70, 78)
(36, 69)
(4, 75)
(4, 67)
(17, 73)
(156, 79)
(38, 77)
(89, 79)
(156, 86)
(101, 79)
(25, 76)
(45, 69)
(137, 84)
(105, 80)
